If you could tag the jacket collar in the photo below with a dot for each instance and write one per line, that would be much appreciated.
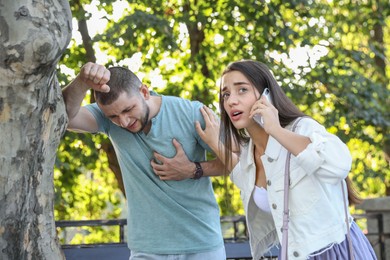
(272, 150)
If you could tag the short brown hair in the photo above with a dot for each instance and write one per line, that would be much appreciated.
(121, 80)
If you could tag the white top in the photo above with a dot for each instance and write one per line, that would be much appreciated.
(261, 199)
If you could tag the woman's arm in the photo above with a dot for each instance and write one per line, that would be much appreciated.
(210, 135)
(326, 155)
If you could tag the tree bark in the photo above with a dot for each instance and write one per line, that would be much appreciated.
(379, 43)
(33, 36)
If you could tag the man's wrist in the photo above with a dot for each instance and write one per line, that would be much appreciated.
(198, 173)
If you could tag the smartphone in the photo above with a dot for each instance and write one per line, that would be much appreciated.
(258, 118)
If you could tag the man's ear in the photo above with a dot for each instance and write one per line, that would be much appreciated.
(144, 91)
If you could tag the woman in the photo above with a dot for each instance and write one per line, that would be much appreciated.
(319, 165)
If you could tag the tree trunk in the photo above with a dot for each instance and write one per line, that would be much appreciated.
(379, 44)
(33, 36)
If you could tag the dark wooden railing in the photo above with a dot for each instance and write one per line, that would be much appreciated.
(121, 223)
(235, 237)
(234, 231)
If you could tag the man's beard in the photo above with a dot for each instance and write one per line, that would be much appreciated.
(144, 120)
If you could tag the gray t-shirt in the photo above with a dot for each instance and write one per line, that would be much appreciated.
(165, 217)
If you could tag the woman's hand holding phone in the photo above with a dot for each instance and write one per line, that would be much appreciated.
(257, 117)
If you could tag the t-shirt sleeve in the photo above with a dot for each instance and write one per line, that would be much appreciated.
(101, 120)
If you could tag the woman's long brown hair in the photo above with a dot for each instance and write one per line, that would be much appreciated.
(353, 196)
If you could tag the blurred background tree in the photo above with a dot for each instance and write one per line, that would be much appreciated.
(331, 58)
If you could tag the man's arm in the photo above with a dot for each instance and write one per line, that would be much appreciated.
(91, 76)
(180, 167)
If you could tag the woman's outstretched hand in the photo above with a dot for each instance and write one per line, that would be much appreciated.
(210, 135)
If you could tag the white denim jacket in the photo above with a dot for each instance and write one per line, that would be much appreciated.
(317, 215)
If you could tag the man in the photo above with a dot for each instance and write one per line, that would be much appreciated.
(166, 217)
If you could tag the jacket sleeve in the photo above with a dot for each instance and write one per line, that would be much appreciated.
(326, 156)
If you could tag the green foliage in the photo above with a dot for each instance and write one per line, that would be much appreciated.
(83, 181)
(85, 189)
(329, 56)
